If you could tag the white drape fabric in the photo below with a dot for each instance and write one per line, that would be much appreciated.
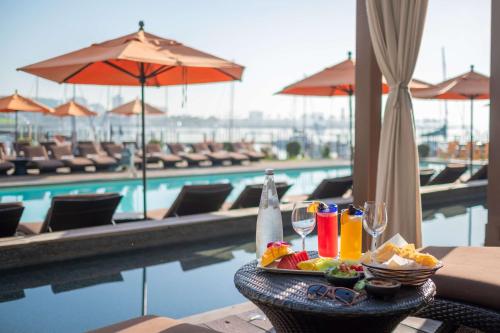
(396, 28)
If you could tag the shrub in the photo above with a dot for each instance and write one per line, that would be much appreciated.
(325, 151)
(423, 150)
(293, 149)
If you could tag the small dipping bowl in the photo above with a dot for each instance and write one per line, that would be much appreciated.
(382, 288)
(339, 281)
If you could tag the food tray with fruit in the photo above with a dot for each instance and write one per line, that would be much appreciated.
(279, 257)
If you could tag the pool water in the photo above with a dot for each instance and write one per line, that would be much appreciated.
(161, 191)
(176, 282)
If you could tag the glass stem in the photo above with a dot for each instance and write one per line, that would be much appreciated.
(303, 243)
(374, 242)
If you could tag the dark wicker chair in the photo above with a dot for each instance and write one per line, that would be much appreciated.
(250, 196)
(448, 175)
(199, 199)
(76, 211)
(217, 158)
(236, 158)
(5, 165)
(331, 188)
(425, 176)
(192, 159)
(248, 150)
(155, 154)
(39, 159)
(481, 174)
(64, 154)
(93, 152)
(10, 215)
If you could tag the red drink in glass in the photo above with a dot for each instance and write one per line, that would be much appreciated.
(328, 233)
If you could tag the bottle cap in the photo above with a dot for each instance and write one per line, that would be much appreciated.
(330, 208)
(269, 172)
(354, 211)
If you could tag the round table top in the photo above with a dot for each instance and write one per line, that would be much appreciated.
(288, 291)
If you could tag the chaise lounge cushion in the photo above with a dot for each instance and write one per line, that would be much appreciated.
(470, 275)
(153, 324)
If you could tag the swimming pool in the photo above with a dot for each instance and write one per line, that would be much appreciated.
(176, 282)
(161, 191)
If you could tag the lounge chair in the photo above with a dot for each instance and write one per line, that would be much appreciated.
(481, 174)
(236, 158)
(47, 145)
(115, 150)
(467, 288)
(192, 159)
(75, 211)
(155, 154)
(10, 215)
(5, 166)
(19, 147)
(250, 196)
(425, 176)
(91, 151)
(153, 324)
(39, 159)
(331, 188)
(195, 199)
(65, 155)
(217, 158)
(247, 149)
(448, 175)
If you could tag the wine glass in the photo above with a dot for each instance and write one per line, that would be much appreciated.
(304, 219)
(374, 220)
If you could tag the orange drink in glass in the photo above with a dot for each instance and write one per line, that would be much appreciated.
(351, 233)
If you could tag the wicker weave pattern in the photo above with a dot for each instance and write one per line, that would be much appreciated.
(462, 314)
(283, 299)
(413, 277)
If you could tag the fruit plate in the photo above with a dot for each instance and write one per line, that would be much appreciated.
(272, 269)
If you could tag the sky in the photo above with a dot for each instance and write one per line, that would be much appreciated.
(278, 42)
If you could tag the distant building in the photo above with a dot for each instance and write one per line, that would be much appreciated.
(117, 100)
(255, 116)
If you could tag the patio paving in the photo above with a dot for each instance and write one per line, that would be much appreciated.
(247, 318)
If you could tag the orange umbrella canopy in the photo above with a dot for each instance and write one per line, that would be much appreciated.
(470, 85)
(133, 108)
(73, 109)
(337, 80)
(115, 62)
(16, 102)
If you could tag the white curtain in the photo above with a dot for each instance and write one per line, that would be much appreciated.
(396, 28)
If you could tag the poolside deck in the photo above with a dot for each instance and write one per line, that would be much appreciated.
(247, 318)
(82, 177)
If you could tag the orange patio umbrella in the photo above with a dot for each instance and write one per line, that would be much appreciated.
(17, 103)
(468, 86)
(134, 108)
(73, 110)
(338, 80)
(138, 59)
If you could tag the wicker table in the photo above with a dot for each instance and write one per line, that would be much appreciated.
(282, 297)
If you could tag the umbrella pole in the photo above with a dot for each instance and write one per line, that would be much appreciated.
(471, 158)
(143, 133)
(350, 130)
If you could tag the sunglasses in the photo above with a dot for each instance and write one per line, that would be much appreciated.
(344, 295)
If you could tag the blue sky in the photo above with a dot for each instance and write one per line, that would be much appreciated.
(277, 41)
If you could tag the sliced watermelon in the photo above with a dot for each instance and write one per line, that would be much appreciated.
(290, 261)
